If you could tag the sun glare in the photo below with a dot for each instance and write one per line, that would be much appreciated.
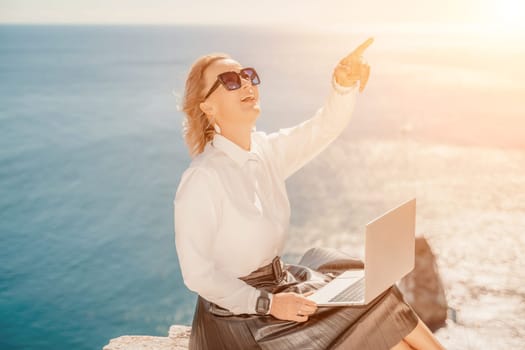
(508, 15)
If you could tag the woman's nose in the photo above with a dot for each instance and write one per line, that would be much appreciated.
(246, 80)
(247, 86)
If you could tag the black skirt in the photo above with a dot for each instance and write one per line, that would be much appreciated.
(381, 324)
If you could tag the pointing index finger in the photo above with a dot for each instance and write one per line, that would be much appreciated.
(363, 46)
(357, 52)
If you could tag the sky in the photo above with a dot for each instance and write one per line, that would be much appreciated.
(302, 13)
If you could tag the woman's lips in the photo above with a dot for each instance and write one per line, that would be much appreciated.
(250, 100)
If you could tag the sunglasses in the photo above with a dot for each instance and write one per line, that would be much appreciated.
(232, 80)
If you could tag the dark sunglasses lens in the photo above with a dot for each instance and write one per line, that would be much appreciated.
(230, 80)
(251, 74)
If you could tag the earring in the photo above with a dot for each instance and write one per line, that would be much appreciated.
(215, 126)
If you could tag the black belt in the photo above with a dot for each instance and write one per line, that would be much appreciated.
(270, 273)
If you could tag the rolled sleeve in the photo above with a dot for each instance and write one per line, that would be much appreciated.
(196, 214)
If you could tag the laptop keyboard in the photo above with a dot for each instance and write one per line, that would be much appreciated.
(354, 292)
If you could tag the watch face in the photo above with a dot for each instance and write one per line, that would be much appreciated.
(262, 304)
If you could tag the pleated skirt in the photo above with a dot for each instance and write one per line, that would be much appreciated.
(381, 324)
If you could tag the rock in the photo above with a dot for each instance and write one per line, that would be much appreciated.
(177, 339)
(423, 288)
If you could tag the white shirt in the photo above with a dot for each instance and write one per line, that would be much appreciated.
(231, 208)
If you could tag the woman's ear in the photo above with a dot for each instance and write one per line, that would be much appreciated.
(206, 108)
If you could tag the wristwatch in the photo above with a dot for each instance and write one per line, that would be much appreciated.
(263, 303)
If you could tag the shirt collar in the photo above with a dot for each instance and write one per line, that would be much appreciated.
(234, 151)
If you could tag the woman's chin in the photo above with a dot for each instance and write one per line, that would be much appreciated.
(248, 105)
(252, 109)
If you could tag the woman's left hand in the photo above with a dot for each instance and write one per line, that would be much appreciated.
(353, 68)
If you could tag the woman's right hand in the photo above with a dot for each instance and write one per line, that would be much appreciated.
(292, 306)
(353, 67)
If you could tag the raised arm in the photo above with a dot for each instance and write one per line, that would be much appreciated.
(295, 146)
(196, 223)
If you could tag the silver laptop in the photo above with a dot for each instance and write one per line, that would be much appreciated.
(389, 255)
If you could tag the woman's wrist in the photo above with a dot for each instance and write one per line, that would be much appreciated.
(341, 88)
(270, 295)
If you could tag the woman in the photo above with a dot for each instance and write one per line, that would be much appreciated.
(232, 213)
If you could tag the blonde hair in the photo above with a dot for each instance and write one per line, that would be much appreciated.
(197, 129)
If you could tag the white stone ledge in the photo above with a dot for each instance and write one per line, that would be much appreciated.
(177, 339)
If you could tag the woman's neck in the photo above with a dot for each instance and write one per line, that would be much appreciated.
(241, 137)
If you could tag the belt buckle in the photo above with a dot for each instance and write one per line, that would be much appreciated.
(277, 268)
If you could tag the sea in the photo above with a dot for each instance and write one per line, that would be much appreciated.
(91, 154)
